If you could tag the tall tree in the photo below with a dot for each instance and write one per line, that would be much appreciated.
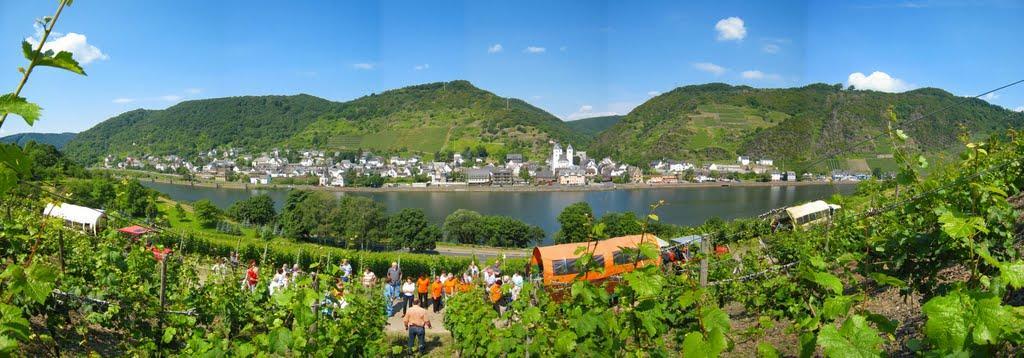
(576, 221)
(365, 220)
(462, 226)
(411, 229)
(256, 210)
(206, 213)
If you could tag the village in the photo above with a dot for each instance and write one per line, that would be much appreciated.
(563, 167)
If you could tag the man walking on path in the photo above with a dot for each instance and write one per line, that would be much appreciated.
(395, 274)
(416, 321)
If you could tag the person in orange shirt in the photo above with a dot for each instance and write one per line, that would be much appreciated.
(435, 293)
(422, 287)
(496, 296)
(449, 287)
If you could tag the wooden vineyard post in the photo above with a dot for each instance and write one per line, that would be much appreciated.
(705, 248)
(163, 283)
(60, 249)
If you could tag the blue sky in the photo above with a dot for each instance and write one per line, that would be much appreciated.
(572, 58)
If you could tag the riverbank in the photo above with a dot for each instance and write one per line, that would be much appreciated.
(174, 179)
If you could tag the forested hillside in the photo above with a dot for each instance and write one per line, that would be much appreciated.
(195, 126)
(419, 119)
(55, 139)
(594, 125)
(793, 125)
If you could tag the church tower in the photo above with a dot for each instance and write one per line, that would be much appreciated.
(569, 153)
(555, 155)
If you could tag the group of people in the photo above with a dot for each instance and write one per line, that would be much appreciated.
(414, 296)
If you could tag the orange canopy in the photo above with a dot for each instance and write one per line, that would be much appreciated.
(558, 262)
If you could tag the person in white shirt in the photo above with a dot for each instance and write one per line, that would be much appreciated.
(489, 277)
(473, 270)
(369, 278)
(277, 282)
(346, 270)
(517, 285)
(408, 292)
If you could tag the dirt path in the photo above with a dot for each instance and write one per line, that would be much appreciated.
(395, 324)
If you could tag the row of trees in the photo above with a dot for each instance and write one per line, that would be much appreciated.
(470, 227)
(577, 223)
(361, 223)
(125, 196)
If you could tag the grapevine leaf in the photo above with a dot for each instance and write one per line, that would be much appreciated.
(854, 339)
(566, 342)
(40, 282)
(12, 157)
(653, 217)
(887, 280)
(837, 306)
(766, 350)
(922, 161)
(694, 345)
(990, 319)
(959, 227)
(828, 281)
(644, 285)
(9, 103)
(62, 60)
(280, 338)
(169, 333)
(714, 318)
(245, 350)
(883, 323)
(1012, 273)
(946, 326)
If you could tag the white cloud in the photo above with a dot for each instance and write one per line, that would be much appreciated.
(1019, 109)
(495, 48)
(421, 67)
(75, 43)
(771, 48)
(611, 109)
(990, 97)
(878, 81)
(193, 90)
(170, 98)
(534, 49)
(731, 28)
(123, 100)
(563, 48)
(710, 68)
(758, 75)
(653, 93)
(363, 66)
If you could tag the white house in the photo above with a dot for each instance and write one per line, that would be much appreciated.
(743, 160)
(87, 219)
(765, 162)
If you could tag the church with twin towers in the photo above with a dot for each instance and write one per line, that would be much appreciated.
(563, 159)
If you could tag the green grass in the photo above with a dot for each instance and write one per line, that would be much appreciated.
(885, 164)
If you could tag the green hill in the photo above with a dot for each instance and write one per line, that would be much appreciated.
(196, 126)
(423, 119)
(57, 140)
(793, 125)
(434, 117)
(594, 125)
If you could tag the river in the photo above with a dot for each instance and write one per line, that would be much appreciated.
(683, 206)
